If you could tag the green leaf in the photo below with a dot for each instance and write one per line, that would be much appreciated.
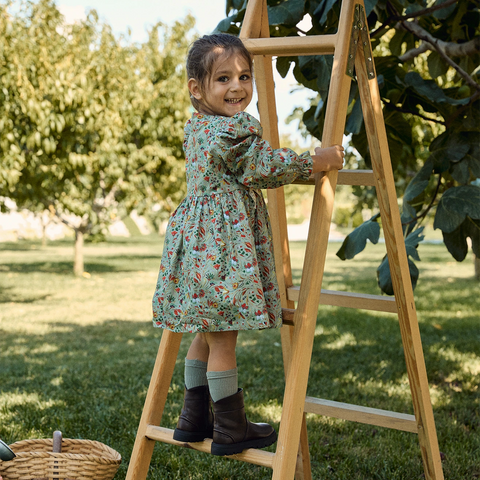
(460, 172)
(412, 241)
(225, 25)
(456, 241)
(455, 205)
(369, 6)
(436, 65)
(397, 122)
(235, 5)
(288, 12)
(447, 148)
(322, 10)
(430, 90)
(384, 277)
(396, 42)
(283, 65)
(355, 119)
(356, 241)
(444, 13)
(419, 182)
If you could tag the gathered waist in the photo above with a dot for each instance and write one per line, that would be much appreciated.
(213, 193)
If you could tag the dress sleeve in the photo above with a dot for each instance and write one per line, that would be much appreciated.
(252, 160)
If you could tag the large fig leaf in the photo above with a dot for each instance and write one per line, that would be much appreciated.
(356, 241)
(287, 13)
(455, 205)
(456, 241)
(430, 90)
(384, 277)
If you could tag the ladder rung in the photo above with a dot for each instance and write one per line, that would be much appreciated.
(347, 177)
(287, 316)
(363, 301)
(356, 413)
(251, 455)
(284, 46)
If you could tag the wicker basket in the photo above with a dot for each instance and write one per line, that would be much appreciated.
(79, 460)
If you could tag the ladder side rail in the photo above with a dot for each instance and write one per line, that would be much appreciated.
(398, 260)
(307, 309)
(276, 208)
(256, 24)
(252, 22)
(154, 404)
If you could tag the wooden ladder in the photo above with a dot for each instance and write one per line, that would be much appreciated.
(291, 458)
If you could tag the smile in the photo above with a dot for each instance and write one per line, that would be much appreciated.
(233, 100)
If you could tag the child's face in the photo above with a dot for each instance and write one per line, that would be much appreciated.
(228, 90)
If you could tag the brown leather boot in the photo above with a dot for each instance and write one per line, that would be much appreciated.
(196, 420)
(232, 432)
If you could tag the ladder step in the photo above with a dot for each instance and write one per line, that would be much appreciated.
(356, 413)
(363, 301)
(251, 455)
(347, 177)
(285, 46)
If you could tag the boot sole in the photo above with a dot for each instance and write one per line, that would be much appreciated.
(190, 437)
(220, 449)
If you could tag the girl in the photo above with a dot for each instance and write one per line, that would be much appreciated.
(217, 274)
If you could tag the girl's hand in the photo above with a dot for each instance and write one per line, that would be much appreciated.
(326, 159)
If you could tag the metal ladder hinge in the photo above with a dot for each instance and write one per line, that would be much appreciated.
(360, 34)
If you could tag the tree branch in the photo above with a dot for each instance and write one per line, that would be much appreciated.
(450, 48)
(428, 11)
(439, 46)
(400, 18)
(412, 112)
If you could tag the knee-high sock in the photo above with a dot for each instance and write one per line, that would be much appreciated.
(195, 373)
(222, 384)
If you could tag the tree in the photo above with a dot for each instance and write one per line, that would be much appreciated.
(427, 57)
(91, 125)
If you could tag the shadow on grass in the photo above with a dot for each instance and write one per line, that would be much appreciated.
(66, 267)
(90, 381)
(8, 295)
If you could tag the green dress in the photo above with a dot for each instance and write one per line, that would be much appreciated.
(217, 271)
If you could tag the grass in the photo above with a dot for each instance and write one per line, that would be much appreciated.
(76, 355)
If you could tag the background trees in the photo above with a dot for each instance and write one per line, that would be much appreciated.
(427, 61)
(91, 126)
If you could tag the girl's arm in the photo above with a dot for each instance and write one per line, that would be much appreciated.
(330, 158)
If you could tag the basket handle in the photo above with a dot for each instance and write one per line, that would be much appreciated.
(57, 448)
(57, 441)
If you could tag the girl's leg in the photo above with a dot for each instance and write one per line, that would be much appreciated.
(222, 364)
(196, 419)
(232, 432)
(196, 362)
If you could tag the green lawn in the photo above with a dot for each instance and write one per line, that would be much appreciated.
(76, 355)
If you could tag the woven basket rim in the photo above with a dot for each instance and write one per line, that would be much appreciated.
(108, 454)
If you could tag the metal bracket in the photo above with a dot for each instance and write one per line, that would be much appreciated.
(360, 34)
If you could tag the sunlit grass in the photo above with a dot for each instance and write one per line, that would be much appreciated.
(76, 354)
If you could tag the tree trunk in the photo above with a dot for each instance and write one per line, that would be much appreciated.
(476, 261)
(44, 235)
(78, 262)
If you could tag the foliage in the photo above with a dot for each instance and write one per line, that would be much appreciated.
(80, 362)
(427, 57)
(91, 126)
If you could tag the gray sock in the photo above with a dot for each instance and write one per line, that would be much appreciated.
(222, 384)
(195, 373)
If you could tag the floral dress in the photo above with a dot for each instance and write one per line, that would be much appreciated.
(218, 270)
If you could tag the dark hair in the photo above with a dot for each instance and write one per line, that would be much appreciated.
(204, 52)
